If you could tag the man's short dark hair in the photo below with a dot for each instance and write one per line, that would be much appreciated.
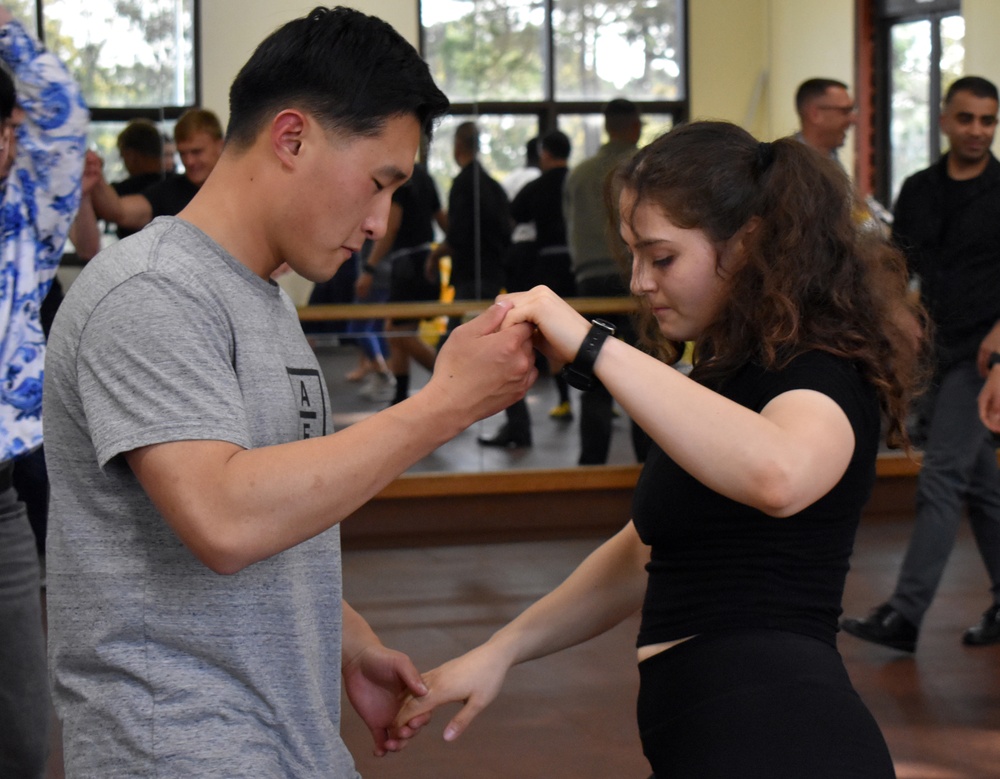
(814, 88)
(977, 85)
(620, 114)
(531, 152)
(467, 137)
(143, 137)
(556, 143)
(350, 71)
(8, 95)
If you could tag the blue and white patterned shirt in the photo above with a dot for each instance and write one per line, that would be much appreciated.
(38, 202)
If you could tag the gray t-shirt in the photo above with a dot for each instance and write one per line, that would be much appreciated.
(160, 666)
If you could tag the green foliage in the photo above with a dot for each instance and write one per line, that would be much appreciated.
(124, 52)
(494, 50)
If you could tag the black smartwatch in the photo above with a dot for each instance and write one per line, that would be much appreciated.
(993, 359)
(580, 372)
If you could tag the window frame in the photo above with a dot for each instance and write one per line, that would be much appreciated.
(548, 109)
(888, 13)
(157, 114)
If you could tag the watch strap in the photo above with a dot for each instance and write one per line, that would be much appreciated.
(580, 372)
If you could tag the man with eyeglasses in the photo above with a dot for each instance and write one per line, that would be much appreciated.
(826, 112)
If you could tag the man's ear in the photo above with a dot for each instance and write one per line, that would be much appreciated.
(287, 130)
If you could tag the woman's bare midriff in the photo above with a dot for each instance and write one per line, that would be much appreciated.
(647, 651)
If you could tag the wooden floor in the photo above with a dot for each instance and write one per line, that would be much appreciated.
(572, 715)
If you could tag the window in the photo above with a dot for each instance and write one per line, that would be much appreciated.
(132, 58)
(921, 52)
(522, 67)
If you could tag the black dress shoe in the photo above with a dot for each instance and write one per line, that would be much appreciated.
(987, 631)
(885, 626)
(507, 438)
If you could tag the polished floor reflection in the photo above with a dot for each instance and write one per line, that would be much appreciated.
(556, 443)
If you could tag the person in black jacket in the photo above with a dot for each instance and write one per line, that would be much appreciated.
(479, 224)
(544, 260)
(947, 220)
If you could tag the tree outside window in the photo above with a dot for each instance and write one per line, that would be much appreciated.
(132, 58)
(522, 67)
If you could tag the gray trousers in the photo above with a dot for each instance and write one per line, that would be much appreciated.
(959, 469)
(24, 691)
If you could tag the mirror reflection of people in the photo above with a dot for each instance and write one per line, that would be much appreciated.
(594, 268)
(141, 147)
(745, 513)
(169, 155)
(198, 134)
(196, 617)
(404, 249)
(479, 224)
(544, 259)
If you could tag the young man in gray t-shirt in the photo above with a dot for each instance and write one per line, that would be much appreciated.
(196, 620)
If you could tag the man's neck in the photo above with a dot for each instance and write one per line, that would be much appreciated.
(811, 139)
(223, 209)
(961, 170)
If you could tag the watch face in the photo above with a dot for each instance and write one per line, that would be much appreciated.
(605, 324)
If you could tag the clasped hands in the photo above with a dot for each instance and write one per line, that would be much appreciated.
(473, 679)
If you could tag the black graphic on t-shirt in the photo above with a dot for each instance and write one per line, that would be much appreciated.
(307, 389)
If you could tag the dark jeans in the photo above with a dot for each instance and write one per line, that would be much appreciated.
(959, 471)
(24, 694)
(31, 482)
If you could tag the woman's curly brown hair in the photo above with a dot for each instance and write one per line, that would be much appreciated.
(810, 273)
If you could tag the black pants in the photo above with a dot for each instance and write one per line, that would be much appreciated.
(597, 406)
(756, 704)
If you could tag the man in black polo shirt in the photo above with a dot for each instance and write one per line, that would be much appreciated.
(140, 146)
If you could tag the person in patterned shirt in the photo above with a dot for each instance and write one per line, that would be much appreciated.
(43, 125)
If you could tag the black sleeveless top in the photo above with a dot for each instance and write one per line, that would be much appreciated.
(717, 564)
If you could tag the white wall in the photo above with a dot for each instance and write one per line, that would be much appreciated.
(728, 62)
(982, 55)
(748, 57)
(231, 30)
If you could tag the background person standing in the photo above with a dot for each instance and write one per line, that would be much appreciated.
(947, 221)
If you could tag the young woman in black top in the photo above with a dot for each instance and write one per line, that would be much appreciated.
(745, 514)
